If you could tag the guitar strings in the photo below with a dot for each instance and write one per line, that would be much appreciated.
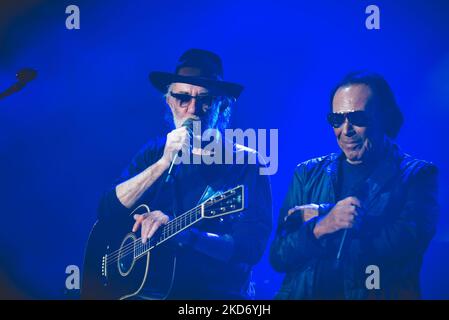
(125, 250)
(131, 247)
(137, 246)
(174, 221)
(167, 226)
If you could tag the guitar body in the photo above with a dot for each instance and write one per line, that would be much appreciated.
(111, 274)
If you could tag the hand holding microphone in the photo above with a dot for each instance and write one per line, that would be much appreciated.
(342, 216)
(178, 140)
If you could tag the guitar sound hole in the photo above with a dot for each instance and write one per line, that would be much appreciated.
(126, 255)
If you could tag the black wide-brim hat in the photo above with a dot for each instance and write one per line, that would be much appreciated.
(201, 68)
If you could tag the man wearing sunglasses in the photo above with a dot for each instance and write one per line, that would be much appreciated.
(355, 225)
(214, 258)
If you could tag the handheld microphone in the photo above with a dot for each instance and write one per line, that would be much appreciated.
(23, 77)
(189, 125)
(342, 242)
(361, 194)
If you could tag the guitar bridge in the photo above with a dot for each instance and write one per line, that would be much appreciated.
(104, 266)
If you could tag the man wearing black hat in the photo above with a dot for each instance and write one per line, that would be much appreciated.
(214, 258)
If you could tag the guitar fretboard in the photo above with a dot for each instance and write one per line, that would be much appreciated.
(169, 230)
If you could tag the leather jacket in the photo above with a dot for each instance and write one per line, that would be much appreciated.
(401, 211)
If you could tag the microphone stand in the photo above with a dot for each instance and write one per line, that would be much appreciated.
(23, 77)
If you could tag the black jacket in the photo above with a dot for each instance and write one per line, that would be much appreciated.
(398, 224)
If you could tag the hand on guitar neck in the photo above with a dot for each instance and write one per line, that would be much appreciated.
(149, 223)
(152, 221)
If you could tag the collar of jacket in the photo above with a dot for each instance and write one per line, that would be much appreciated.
(386, 169)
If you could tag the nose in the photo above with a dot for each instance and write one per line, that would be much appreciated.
(192, 107)
(195, 108)
(348, 129)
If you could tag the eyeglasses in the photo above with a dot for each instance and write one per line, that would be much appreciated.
(356, 118)
(184, 99)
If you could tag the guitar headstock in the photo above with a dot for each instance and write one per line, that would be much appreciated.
(225, 203)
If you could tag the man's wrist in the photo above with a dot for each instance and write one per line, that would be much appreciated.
(318, 231)
(163, 163)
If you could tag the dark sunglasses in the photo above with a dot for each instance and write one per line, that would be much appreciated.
(184, 99)
(356, 118)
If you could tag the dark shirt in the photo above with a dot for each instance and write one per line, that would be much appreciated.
(350, 178)
(200, 276)
(330, 274)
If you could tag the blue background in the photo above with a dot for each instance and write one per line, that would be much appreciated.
(67, 135)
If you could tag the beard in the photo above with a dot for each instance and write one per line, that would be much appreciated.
(208, 119)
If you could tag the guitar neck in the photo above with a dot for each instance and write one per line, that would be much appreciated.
(219, 205)
(180, 223)
(172, 228)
